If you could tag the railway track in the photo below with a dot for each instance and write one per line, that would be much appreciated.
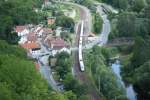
(82, 76)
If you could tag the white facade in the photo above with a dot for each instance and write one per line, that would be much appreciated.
(54, 52)
(22, 40)
(40, 33)
(23, 33)
(65, 50)
(34, 53)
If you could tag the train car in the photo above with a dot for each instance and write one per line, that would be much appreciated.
(82, 65)
(80, 48)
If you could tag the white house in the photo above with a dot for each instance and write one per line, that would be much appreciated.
(21, 30)
(33, 48)
(56, 44)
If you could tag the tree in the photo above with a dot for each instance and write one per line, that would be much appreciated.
(70, 95)
(97, 24)
(19, 80)
(142, 80)
(57, 96)
(141, 52)
(146, 12)
(126, 24)
(72, 84)
(16, 12)
(138, 5)
(122, 4)
(101, 74)
(22, 79)
(65, 22)
(63, 64)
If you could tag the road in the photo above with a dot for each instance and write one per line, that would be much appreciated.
(103, 37)
(45, 69)
(106, 26)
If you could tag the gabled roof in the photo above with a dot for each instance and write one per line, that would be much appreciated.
(32, 45)
(31, 37)
(56, 42)
(20, 28)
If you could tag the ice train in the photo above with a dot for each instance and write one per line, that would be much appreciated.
(82, 68)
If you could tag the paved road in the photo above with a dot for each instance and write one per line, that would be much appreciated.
(106, 27)
(45, 68)
(103, 38)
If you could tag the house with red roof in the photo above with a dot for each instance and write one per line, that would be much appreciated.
(31, 38)
(41, 32)
(33, 48)
(21, 30)
(56, 44)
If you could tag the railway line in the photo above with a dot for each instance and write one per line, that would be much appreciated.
(79, 74)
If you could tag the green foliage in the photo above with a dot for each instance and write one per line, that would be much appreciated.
(72, 84)
(104, 78)
(146, 12)
(134, 22)
(137, 69)
(126, 24)
(138, 5)
(66, 36)
(65, 22)
(63, 64)
(14, 12)
(121, 4)
(7, 49)
(70, 95)
(56, 96)
(142, 81)
(97, 25)
(88, 3)
(19, 79)
(141, 51)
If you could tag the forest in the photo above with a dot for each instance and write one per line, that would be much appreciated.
(17, 12)
(133, 21)
(19, 79)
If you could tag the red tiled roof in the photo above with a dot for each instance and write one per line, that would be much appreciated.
(20, 28)
(32, 45)
(31, 37)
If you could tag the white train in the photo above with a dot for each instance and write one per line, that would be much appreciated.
(80, 47)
